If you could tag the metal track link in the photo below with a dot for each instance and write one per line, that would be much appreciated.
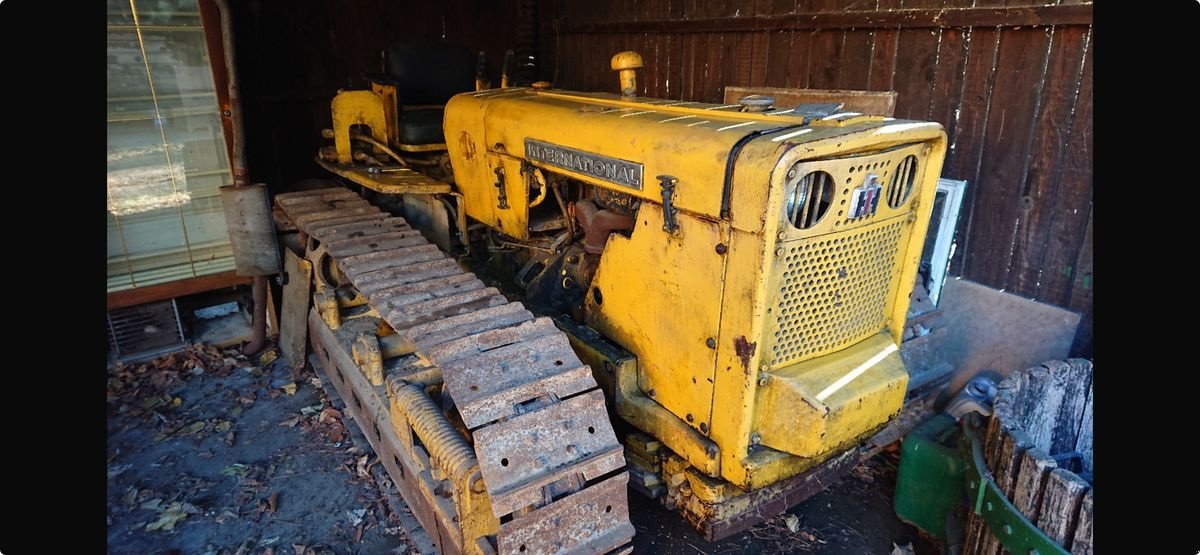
(549, 458)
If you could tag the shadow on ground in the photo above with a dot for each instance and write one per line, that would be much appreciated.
(213, 453)
(209, 453)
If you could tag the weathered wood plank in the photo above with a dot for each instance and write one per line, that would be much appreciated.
(978, 77)
(1083, 443)
(1010, 125)
(1051, 407)
(948, 83)
(1052, 135)
(878, 103)
(1031, 479)
(1082, 542)
(918, 18)
(917, 55)
(1072, 200)
(1060, 506)
(1081, 291)
(1005, 466)
(854, 65)
(826, 59)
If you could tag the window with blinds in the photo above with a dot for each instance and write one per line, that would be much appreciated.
(166, 147)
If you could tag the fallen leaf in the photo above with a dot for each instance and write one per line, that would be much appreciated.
(337, 432)
(193, 428)
(291, 422)
(906, 549)
(222, 426)
(229, 439)
(235, 412)
(199, 370)
(808, 537)
(114, 471)
(315, 381)
(792, 522)
(273, 503)
(300, 549)
(358, 534)
(314, 409)
(356, 516)
(361, 467)
(130, 497)
(269, 551)
(267, 357)
(151, 505)
(176, 402)
(168, 518)
(236, 469)
(151, 402)
(329, 414)
(225, 515)
(289, 388)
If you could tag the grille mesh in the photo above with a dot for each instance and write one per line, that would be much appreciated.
(833, 291)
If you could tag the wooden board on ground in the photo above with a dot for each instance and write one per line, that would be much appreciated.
(293, 326)
(1016, 334)
(872, 103)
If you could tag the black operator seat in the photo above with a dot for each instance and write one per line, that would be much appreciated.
(426, 76)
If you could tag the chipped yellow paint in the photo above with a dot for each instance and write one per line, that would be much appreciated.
(699, 307)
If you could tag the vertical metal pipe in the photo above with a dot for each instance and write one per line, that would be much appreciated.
(241, 178)
(239, 155)
(258, 337)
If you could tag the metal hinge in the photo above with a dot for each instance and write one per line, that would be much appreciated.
(667, 183)
(500, 185)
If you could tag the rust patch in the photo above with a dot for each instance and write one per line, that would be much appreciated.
(745, 351)
(468, 146)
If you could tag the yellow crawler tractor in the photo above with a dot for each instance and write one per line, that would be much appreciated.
(706, 298)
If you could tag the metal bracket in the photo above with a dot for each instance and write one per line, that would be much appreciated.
(500, 185)
(1005, 521)
(667, 183)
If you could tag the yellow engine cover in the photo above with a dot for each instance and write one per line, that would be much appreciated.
(759, 321)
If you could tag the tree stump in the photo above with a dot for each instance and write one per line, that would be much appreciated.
(1038, 446)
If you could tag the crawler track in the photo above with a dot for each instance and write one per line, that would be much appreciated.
(540, 435)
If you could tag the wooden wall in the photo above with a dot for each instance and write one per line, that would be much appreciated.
(1012, 83)
(293, 56)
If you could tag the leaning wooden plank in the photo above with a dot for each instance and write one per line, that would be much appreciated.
(1084, 443)
(1031, 480)
(1060, 506)
(1082, 544)
(1013, 444)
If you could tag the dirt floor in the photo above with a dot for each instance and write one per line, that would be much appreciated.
(213, 453)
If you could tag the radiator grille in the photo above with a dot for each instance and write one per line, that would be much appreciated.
(144, 328)
(833, 290)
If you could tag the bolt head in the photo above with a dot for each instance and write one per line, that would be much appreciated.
(711, 343)
(721, 248)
